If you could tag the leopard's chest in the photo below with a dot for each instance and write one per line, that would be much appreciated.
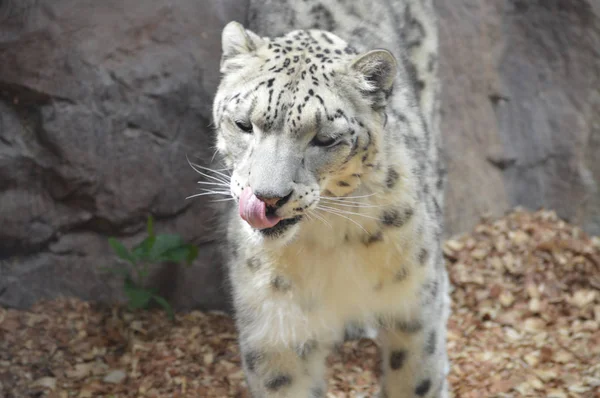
(353, 277)
(316, 292)
(329, 276)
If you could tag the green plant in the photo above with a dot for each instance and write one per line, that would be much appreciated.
(153, 249)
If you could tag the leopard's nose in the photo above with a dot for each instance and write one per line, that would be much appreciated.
(273, 201)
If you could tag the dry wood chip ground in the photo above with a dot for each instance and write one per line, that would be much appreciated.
(525, 323)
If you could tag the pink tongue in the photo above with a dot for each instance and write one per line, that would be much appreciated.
(253, 211)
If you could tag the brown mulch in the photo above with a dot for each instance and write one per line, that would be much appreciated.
(525, 322)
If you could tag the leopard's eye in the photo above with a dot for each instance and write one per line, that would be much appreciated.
(324, 142)
(246, 127)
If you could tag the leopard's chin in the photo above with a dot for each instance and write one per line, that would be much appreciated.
(280, 228)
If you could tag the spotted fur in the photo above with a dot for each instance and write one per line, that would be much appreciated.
(343, 139)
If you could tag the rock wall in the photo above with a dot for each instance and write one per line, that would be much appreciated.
(100, 102)
(521, 108)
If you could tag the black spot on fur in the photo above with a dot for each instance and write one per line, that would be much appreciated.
(392, 178)
(279, 283)
(395, 218)
(278, 382)
(431, 343)
(304, 350)
(414, 31)
(353, 331)
(438, 209)
(401, 274)
(423, 388)
(252, 358)
(430, 290)
(323, 18)
(343, 184)
(234, 249)
(431, 62)
(326, 38)
(423, 256)
(373, 238)
(350, 50)
(253, 263)
(397, 359)
(317, 392)
(409, 326)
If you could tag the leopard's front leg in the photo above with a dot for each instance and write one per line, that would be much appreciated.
(415, 362)
(282, 371)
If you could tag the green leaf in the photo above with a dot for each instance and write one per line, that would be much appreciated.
(142, 250)
(163, 244)
(121, 250)
(150, 226)
(166, 306)
(176, 255)
(192, 254)
(143, 273)
(138, 296)
(187, 253)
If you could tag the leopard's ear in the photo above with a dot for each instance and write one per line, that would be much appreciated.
(236, 41)
(376, 71)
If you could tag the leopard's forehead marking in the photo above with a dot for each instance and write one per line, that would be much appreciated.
(296, 70)
(318, 48)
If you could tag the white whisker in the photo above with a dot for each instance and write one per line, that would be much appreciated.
(320, 217)
(343, 216)
(333, 209)
(209, 169)
(219, 177)
(222, 200)
(208, 193)
(348, 197)
(214, 183)
(349, 204)
(214, 178)
(214, 154)
(216, 191)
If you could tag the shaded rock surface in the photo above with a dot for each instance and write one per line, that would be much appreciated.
(521, 108)
(100, 102)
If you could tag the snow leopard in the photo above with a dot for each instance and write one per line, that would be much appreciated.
(330, 136)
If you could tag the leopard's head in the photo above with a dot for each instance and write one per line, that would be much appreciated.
(298, 117)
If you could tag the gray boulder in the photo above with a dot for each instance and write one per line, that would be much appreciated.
(521, 108)
(101, 102)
